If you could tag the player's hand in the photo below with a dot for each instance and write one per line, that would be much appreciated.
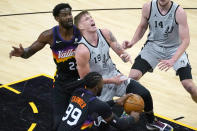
(166, 64)
(120, 101)
(125, 57)
(135, 115)
(119, 79)
(17, 51)
(126, 44)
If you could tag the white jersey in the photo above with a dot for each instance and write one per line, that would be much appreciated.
(101, 62)
(164, 31)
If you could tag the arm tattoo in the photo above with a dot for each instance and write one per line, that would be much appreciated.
(113, 39)
(118, 46)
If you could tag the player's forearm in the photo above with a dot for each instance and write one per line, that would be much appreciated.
(28, 52)
(138, 34)
(108, 81)
(181, 49)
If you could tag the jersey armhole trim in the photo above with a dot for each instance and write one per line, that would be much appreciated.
(175, 14)
(54, 37)
(150, 11)
(87, 48)
(104, 38)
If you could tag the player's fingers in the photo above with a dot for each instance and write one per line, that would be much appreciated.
(10, 54)
(163, 67)
(167, 68)
(130, 61)
(21, 47)
(125, 44)
(14, 47)
(129, 94)
(161, 63)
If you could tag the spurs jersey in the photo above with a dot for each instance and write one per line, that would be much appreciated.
(164, 30)
(63, 54)
(100, 60)
(77, 116)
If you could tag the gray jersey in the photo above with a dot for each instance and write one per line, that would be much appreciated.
(101, 62)
(164, 31)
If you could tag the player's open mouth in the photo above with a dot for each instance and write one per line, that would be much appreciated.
(92, 24)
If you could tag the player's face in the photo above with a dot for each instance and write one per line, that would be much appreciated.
(65, 18)
(163, 3)
(87, 23)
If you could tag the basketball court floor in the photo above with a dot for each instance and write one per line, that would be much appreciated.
(19, 76)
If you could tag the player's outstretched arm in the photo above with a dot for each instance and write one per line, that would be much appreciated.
(117, 48)
(142, 27)
(181, 19)
(104, 110)
(44, 38)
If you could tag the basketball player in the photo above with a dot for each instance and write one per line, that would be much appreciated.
(92, 54)
(166, 43)
(84, 108)
(63, 42)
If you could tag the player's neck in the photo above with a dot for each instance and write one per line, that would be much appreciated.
(66, 34)
(165, 8)
(91, 37)
(93, 91)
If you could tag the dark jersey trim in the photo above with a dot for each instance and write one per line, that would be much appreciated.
(91, 44)
(88, 49)
(150, 11)
(175, 14)
(168, 10)
(104, 37)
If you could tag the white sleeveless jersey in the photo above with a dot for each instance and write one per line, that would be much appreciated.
(164, 31)
(100, 60)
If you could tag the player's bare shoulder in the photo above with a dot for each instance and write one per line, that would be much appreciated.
(108, 35)
(181, 16)
(105, 32)
(46, 36)
(146, 9)
(82, 50)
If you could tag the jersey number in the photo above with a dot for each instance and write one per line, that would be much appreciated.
(97, 58)
(158, 24)
(72, 66)
(75, 114)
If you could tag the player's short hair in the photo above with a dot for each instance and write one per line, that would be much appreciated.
(60, 6)
(78, 17)
(92, 79)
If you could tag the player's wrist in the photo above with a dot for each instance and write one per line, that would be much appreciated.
(25, 53)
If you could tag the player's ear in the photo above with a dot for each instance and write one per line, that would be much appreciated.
(80, 26)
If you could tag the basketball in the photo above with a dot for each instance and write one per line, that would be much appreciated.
(134, 103)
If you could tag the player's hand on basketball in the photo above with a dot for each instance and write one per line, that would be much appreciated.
(120, 101)
(17, 51)
(166, 64)
(125, 57)
(135, 115)
(119, 79)
(126, 44)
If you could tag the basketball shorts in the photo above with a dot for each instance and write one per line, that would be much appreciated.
(153, 53)
(111, 90)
